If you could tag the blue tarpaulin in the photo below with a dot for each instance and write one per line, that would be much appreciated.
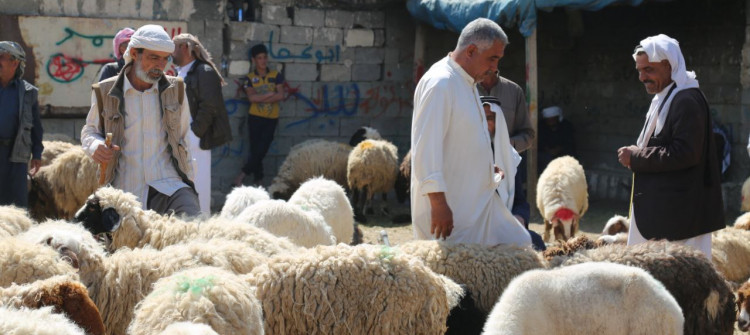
(454, 15)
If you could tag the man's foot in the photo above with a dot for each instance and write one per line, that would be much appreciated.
(238, 180)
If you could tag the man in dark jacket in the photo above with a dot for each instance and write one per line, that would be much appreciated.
(210, 121)
(20, 127)
(677, 190)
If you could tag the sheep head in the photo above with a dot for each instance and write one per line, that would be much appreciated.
(364, 133)
(617, 224)
(564, 224)
(95, 219)
(743, 307)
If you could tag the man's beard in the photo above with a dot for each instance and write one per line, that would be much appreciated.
(143, 75)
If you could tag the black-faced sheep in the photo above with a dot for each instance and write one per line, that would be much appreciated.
(572, 300)
(364, 289)
(703, 294)
(114, 211)
(562, 197)
(59, 189)
(206, 295)
(371, 168)
(313, 158)
(116, 283)
(64, 293)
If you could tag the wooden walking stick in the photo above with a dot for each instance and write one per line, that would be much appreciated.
(103, 167)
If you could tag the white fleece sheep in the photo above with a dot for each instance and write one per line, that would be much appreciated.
(133, 227)
(13, 220)
(64, 293)
(118, 282)
(24, 262)
(485, 271)
(59, 189)
(730, 253)
(372, 168)
(742, 222)
(589, 298)
(706, 300)
(616, 224)
(362, 289)
(188, 328)
(313, 158)
(745, 205)
(52, 149)
(303, 226)
(204, 295)
(42, 321)
(329, 199)
(242, 197)
(562, 197)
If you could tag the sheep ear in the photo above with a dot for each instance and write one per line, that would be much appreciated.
(740, 297)
(358, 136)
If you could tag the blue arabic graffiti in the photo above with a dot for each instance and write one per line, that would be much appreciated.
(329, 55)
(340, 92)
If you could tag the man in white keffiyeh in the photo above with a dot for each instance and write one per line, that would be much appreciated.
(676, 187)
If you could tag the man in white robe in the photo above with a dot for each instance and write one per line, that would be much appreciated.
(453, 178)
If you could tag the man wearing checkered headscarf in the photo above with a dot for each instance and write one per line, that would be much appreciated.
(146, 112)
(20, 127)
(210, 127)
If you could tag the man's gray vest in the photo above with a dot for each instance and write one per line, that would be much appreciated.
(112, 119)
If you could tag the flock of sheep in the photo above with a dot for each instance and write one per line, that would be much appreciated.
(289, 261)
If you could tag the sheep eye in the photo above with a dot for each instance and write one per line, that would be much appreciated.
(49, 241)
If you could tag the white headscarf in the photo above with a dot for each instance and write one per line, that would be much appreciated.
(505, 157)
(552, 112)
(151, 37)
(658, 48)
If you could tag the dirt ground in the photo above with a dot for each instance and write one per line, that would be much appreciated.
(591, 224)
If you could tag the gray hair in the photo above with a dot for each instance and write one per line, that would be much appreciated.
(482, 33)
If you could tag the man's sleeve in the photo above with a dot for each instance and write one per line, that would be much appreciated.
(524, 131)
(91, 135)
(36, 131)
(688, 118)
(431, 120)
(208, 101)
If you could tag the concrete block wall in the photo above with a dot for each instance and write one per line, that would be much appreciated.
(344, 69)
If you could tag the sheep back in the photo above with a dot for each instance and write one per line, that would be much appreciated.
(70, 179)
(742, 221)
(372, 164)
(562, 185)
(574, 300)
(42, 321)
(329, 199)
(730, 253)
(485, 271)
(360, 289)
(24, 262)
(305, 228)
(309, 159)
(207, 295)
(242, 197)
(52, 149)
(703, 294)
(13, 221)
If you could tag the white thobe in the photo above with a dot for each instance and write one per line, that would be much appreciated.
(201, 159)
(451, 153)
(144, 160)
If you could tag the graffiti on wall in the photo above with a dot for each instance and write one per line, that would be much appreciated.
(70, 51)
(321, 54)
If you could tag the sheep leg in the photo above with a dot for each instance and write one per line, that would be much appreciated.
(384, 206)
(547, 228)
(359, 215)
